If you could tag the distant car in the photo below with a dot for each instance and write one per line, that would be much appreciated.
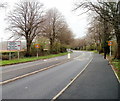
(69, 50)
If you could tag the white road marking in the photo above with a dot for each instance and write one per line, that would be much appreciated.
(114, 71)
(31, 73)
(46, 60)
(82, 57)
(5, 71)
(55, 97)
(26, 87)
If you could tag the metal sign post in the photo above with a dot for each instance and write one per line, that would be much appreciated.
(37, 52)
(18, 55)
(110, 51)
(9, 55)
(110, 44)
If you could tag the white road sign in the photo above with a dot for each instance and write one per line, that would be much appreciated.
(14, 45)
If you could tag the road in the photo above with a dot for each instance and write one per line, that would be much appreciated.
(46, 84)
(88, 75)
(97, 82)
(12, 71)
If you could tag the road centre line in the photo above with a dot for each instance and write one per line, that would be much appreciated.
(80, 56)
(5, 71)
(28, 74)
(71, 82)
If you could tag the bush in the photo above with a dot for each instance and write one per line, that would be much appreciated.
(64, 48)
(90, 47)
(5, 57)
(14, 55)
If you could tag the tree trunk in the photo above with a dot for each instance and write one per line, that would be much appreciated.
(28, 48)
(51, 45)
(117, 32)
(118, 47)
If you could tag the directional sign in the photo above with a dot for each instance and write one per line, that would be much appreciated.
(14, 45)
(37, 45)
(110, 43)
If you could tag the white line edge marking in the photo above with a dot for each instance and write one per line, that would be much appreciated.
(55, 97)
(5, 71)
(114, 71)
(31, 73)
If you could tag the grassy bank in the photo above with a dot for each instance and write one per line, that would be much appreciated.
(95, 51)
(22, 60)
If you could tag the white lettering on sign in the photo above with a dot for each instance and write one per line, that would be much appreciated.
(14, 45)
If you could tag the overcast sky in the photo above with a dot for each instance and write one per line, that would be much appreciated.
(77, 23)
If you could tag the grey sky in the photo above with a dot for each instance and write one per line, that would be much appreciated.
(77, 23)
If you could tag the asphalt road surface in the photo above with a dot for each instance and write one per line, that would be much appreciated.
(96, 82)
(46, 84)
(12, 71)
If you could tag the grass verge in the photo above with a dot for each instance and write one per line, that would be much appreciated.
(116, 64)
(22, 60)
(95, 51)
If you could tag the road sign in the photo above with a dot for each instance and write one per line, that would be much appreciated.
(110, 43)
(14, 45)
(37, 45)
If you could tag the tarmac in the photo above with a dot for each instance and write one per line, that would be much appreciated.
(97, 82)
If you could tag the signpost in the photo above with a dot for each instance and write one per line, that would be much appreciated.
(37, 46)
(110, 44)
(13, 46)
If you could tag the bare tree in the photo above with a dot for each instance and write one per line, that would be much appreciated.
(53, 24)
(26, 20)
(109, 12)
(65, 35)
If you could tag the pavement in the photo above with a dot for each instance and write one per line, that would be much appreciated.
(96, 82)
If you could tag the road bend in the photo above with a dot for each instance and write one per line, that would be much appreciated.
(12, 71)
(45, 84)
